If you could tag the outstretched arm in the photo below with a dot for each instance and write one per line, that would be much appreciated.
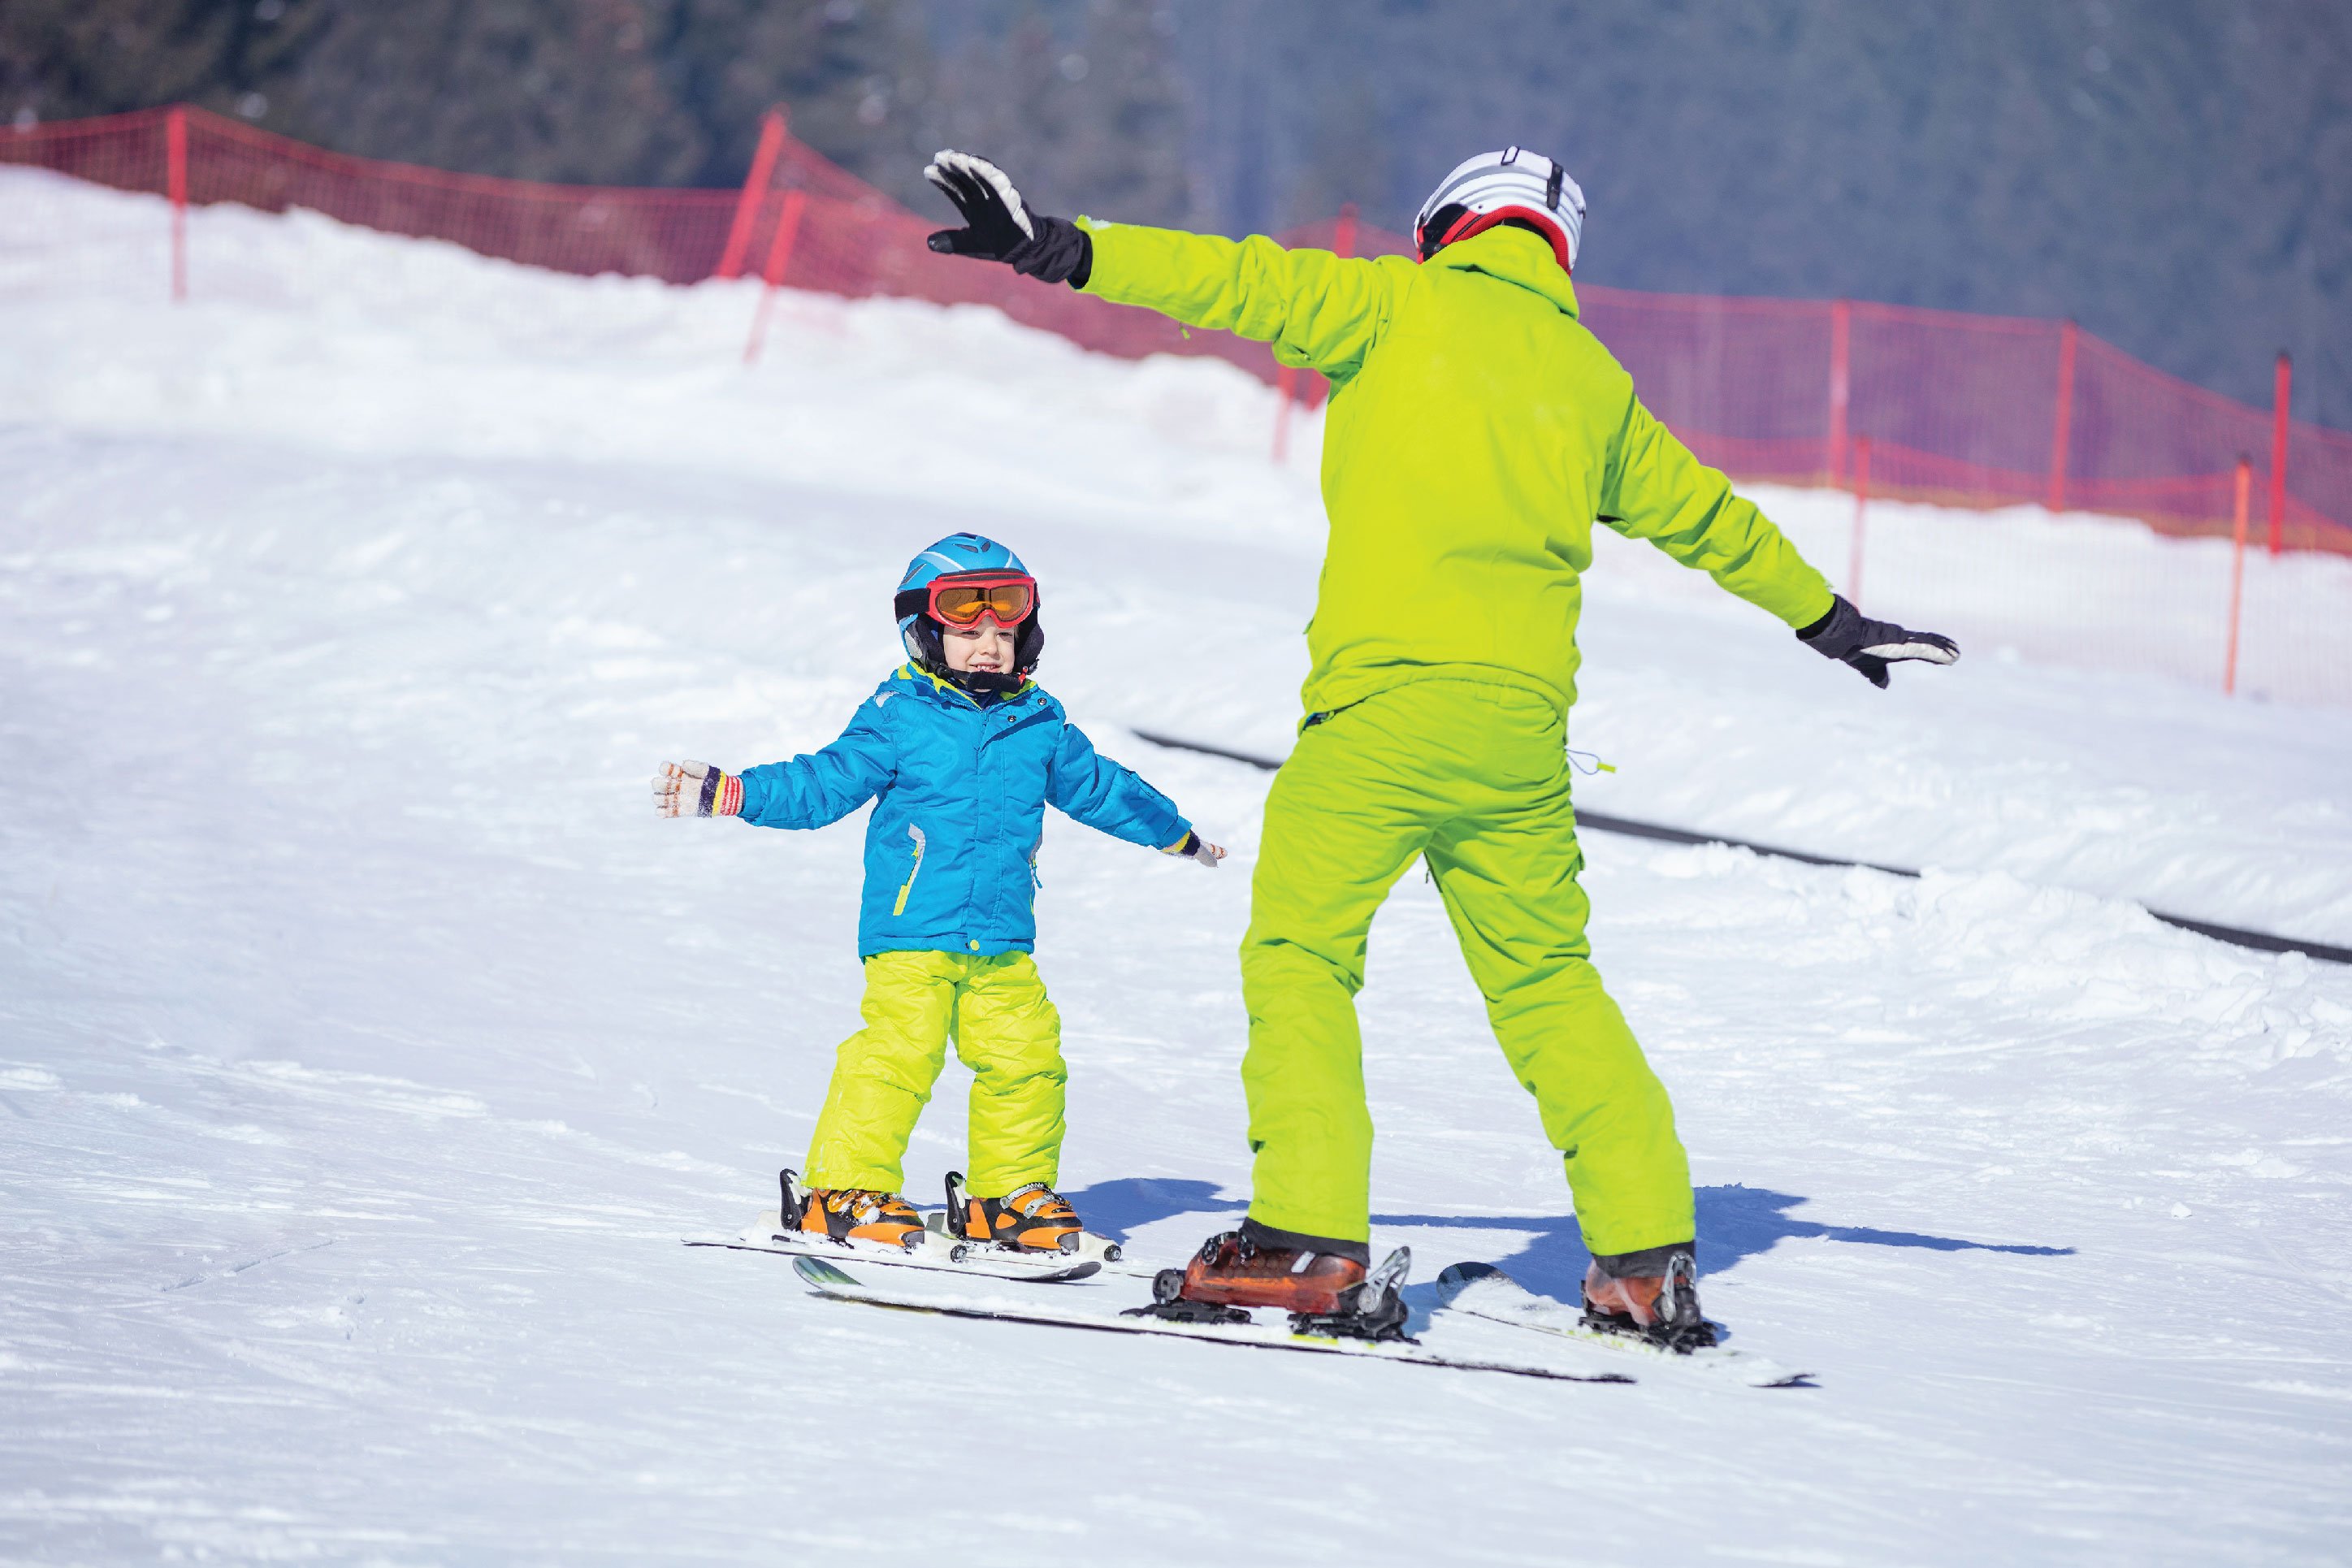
(1111, 799)
(1318, 309)
(1657, 491)
(809, 791)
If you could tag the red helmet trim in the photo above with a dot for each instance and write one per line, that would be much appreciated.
(1469, 223)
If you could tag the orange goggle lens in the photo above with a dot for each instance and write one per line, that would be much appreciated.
(960, 604)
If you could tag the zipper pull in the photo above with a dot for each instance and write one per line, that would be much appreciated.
(1589, 763)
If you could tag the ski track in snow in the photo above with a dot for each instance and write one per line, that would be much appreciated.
(366, 1045)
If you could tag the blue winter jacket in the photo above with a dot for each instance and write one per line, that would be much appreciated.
(959, 792)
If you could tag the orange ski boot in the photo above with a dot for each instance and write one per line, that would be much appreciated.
(854, 1213)
(1650, 1295)
(1034, 1218)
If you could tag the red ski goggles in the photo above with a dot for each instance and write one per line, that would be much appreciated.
(966, 599)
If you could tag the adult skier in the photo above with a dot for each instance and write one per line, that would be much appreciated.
(1476, 432)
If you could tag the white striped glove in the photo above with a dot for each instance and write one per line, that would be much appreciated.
(1195, 848)
(1848, 635)
(697, 789)
(999, 226)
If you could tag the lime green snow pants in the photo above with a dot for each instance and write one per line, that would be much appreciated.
(1005, 1030)
(1474, 778)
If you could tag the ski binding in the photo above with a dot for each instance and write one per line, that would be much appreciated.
(1375, 1310)
(1483, 1291)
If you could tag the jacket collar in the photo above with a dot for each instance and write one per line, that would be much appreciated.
(1514, 255)
(947, 694)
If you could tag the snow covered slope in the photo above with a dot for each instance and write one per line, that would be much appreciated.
(366, 1045)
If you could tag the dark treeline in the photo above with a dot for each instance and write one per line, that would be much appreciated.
(2176, 174)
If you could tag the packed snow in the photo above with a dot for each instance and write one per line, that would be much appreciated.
(368, 1046)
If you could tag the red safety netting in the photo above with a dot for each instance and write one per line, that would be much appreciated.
(1979, 410)
(672, 235)
(1976, 410)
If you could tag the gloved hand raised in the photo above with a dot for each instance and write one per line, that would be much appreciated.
(1847, 634)
(697, 789)
(998, 227)
(1196, 848)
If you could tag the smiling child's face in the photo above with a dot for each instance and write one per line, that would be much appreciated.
(986, 647)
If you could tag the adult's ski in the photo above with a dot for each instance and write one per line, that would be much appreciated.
(1483, 1291)
(1463, 1343)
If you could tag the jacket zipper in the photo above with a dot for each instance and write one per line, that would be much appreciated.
(908, 886)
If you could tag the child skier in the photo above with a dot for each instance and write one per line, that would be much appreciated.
(1476, 433)
(961, 752)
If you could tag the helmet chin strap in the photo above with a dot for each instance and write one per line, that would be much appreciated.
(978, 682)
(986, 681)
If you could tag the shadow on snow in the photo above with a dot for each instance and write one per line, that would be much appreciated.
(1735, 1223)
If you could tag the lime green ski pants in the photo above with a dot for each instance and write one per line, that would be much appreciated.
(1005, 1030)
(1474, 778)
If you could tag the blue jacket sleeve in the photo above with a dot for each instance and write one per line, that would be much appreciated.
(823, 787)
(1107, 797)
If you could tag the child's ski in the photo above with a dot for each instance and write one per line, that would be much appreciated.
(1483, 1291)
(1462, 1343)
(936, 1252)
(1092, 1248)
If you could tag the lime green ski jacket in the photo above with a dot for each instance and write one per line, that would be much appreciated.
(1476, 431)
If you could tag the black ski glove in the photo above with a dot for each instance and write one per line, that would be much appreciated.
(1853, 637)
(997, 228)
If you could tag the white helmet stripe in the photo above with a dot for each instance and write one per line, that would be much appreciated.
(1513, 178)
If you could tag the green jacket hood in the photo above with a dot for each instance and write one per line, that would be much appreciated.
(1515, 255)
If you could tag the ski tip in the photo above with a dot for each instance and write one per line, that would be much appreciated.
(820, 1273)
(1454, 1275)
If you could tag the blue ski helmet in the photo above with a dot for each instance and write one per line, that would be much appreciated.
(959, 553)
(957, 556)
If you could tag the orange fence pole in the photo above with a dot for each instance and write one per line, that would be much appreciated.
(780, 256)
(1861, 516)
(2282, 396)
(755, 186)
(1286, 381)
(2237, 570)
(2061, 425)
(1840, 334)
(175, 186)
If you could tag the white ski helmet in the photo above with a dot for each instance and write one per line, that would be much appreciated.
(1495, 187)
